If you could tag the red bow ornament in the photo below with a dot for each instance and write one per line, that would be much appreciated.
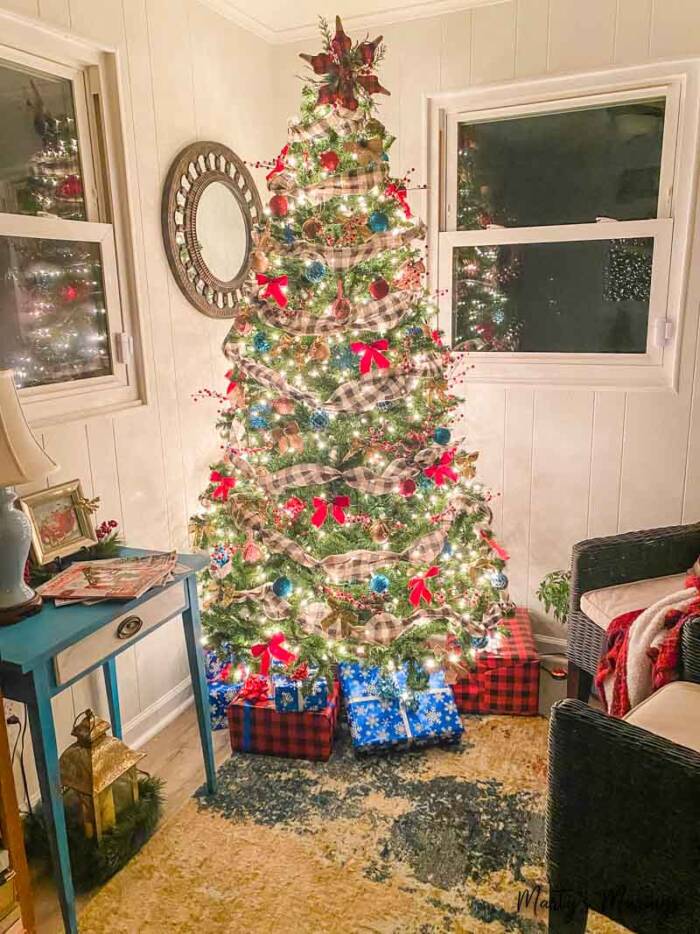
(441, 471)
(234, 392)
(255, 690)
(275, 288)
(371, 354)
(273, 648)
(338, 507)
(224, 485)
(399, 193)
(494, 546)
(418, 589)
(280, 165)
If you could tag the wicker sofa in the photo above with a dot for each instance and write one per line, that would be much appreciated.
(598, 563)
(623, 836)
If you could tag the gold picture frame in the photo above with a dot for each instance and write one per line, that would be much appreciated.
(61, 521)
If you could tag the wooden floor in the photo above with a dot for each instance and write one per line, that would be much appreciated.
(173, 755)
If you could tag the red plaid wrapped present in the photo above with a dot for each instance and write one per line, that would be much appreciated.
(507, 674)
(260, 728)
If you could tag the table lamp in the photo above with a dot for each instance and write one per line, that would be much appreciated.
(22, 460)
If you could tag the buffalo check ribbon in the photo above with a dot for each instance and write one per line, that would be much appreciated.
(343, 258)
(355, 182)
(341, 121)
(381, 315)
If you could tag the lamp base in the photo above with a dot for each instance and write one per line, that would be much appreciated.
(13, 614)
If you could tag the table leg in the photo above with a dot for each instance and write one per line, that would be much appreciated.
(109, 669)
(193, 636)
(46, 759)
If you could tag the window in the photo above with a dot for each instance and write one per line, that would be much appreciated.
(563, 215)
(67, 300)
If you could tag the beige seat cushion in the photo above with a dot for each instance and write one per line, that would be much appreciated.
(602, 606)
(672, 712)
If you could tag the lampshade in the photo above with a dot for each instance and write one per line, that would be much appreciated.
(22, 459)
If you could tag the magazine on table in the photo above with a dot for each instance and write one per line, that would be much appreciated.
(110, 579)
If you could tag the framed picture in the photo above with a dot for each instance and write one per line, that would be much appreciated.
(61, 521)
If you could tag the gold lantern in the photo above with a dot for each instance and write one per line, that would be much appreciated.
(98, 774)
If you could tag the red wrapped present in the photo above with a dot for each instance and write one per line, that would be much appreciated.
(258, 727)
(507, 674)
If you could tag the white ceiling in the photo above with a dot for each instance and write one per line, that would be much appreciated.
(288, 20)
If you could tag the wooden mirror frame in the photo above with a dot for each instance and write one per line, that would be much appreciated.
(195, 168)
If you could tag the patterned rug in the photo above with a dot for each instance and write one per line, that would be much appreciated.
(439, 840)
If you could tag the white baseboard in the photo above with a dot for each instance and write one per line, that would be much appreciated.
(550, 645)
(147, 723)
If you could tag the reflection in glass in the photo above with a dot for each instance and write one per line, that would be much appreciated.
(587, 296)
(39, 156)
(53, 322)
(561, 168)
(221, 231)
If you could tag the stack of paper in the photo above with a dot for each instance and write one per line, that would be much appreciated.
(110, 579)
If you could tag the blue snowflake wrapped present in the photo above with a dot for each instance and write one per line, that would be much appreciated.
(293, 695)
(383, 713)
(221, 693)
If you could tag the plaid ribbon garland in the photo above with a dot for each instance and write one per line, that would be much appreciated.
(341, 121)
(343, 258)
(265, 376)
(273, 607)
(356, 182)
(382, 315)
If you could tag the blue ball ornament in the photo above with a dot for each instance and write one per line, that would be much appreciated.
(289, 237)
(282, 587)
(379, 583)
(342, 358)
(442, 435)
(378, 222)
(315, 271)
(258, 422)
(425, 483)
(260, 342)
(446, 550)
(479, 642)
(498, 580)
(414, 331)
(498, 316)
(385, 405)
(319, 419)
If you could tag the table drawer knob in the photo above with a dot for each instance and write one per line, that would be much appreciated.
(129, 627)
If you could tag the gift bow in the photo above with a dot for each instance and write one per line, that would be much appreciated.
(273, 648)
(300, 673)
(255, 690)
(279, 165)
(419, 589)
(400, 194)
(274, 288)
(442, 471)
(371, 353)
(224, 485)
(288, 438)
(338, 507)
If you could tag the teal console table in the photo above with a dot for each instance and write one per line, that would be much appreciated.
(44, 654)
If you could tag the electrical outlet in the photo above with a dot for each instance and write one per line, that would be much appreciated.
(12, 708)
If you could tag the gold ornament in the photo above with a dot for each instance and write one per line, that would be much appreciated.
(288, 438)
(259, 261)
(312, 228)
(283, 405)
(341, 307)
(379, 532)
(366, 150)
(320, 351)
(465, 464)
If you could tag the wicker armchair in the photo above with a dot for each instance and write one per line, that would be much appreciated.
(622, 832)
(618, 559)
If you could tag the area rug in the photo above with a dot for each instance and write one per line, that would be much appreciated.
(439, 840)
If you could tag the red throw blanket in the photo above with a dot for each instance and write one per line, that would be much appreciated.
(663, 657)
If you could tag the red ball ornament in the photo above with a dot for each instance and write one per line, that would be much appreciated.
(407, 487)
(70, 187)
(329, 160)
(279, 206)
(68, 293)
(379, 289)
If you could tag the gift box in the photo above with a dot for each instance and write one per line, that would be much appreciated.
(260, 728)
(293, 695)
(383, 713)
(506, 678)
(221, 693)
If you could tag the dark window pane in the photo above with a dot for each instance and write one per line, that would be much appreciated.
(584, 296)
(39, 158)
(53, 322)
(561, 168)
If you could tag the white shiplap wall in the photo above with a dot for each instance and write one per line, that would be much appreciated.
(190, 74)
(567, 464)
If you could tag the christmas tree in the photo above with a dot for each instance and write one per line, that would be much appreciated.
(342, 513)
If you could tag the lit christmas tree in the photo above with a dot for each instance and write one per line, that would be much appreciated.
(341, 512)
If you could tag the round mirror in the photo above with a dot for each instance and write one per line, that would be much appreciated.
(210, 208)
(221, 231)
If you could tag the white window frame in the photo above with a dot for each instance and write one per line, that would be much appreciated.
(679, 83)
(106, 167)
